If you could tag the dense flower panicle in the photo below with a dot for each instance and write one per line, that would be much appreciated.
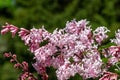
(8, 27)
(117, 40)
(70, 50)
(33, 37)
(57, 38)
(86, 37)
(92, 65)
(100, 34)
(76, 27)
(44, 52)
(65, 71)
(36, 35)
(58, 61)
(71, 44)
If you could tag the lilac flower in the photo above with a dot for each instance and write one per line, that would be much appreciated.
(92, 65)
(39, 67)
(13, 29)
(86, 37)
(109, 76)
(33, 37)
(117, 40)
(57, 38)
(114, 51)
(76, 27)
(65, 71)
(113, 54)
(58, 61)
(70, 50)
(24, 34)
(100, 34)
(44, 52)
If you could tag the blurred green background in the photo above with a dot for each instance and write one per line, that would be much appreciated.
(52, 14)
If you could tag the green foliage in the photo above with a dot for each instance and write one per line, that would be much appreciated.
(52, 14)
(6, 3)
(7, 72)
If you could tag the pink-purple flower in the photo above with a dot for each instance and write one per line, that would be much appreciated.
(9, 28)
(100, 34)
(117, 38)
(109, 76)
(71, 50)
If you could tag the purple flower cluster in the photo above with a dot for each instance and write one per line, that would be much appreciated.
(73, 49)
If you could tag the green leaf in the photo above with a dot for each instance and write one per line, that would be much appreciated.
(105, 60)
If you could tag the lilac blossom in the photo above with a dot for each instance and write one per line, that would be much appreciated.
(91, 65)
(100, 34)
(109, 76)
(58, 61)
(44, 52)
(113, 54)
(33, 37)
(65, 71)
(24, 34)
(76, 27)
(117, 40)
(70, 50)
(13, 29)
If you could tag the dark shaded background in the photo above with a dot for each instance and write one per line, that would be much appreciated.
(51, 14)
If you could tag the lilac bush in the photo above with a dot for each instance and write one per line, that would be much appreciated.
(71, 50)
